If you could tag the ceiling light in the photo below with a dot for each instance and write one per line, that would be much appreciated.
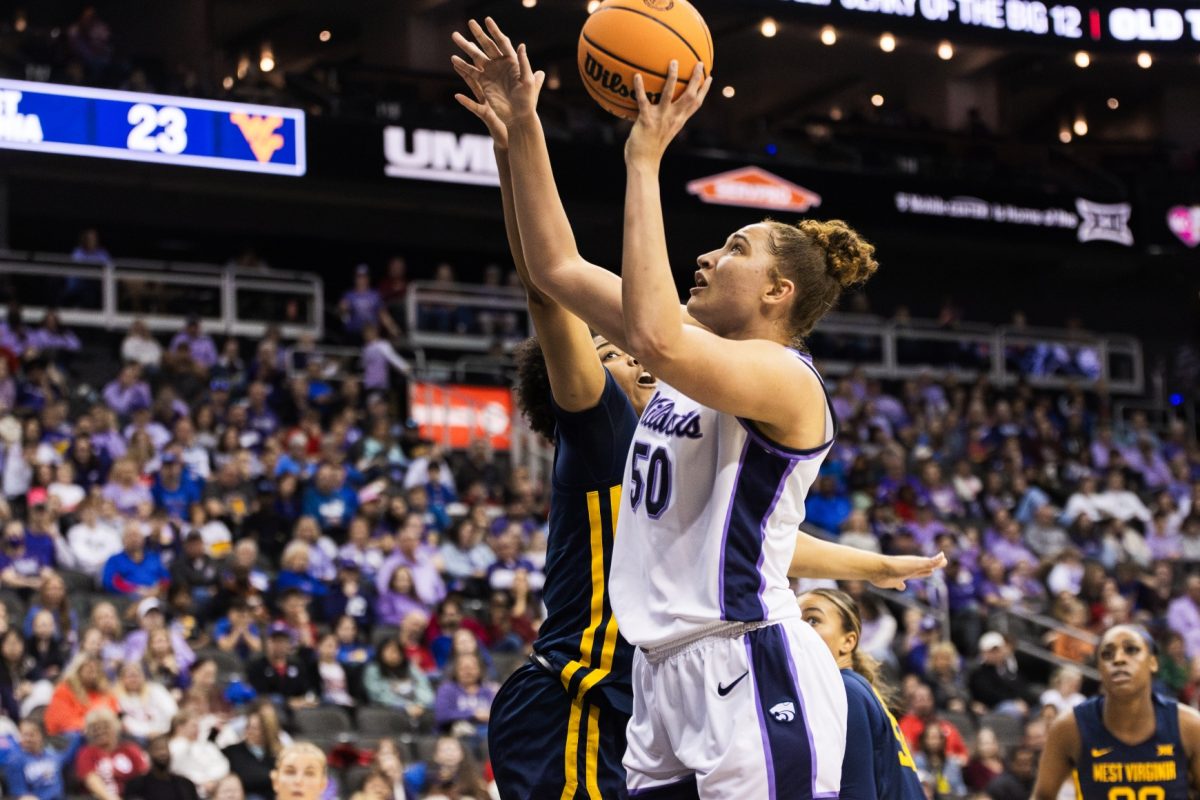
(945, 51)
(1114, 103)
(728, 91)
(529, 3)
(828, 35)
(266, 59)
(325, 35)
(1083, 60)
(877, 100)
(243, 66)
(592, 6)
(1144, 60)
(835, 113)
(1080, 127)
(227, 82)
(887, 43)
(20, 22)
(1064, 136)
(768, 28)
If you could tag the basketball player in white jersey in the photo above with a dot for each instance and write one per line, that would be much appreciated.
(734, 697)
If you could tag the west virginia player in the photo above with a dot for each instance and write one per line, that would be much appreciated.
(878, 764)
(1129, 743)
(557, 727)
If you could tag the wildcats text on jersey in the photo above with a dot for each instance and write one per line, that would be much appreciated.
(660, 416)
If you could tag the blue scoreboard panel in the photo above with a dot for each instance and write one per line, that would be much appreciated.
(160, 129)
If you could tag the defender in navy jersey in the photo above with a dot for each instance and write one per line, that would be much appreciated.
(1129, 743)
(878, 764)
(557, 726)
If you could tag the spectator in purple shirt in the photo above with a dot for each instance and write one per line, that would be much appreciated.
(464, 700)
(53, 340)
(363, 306)
(127, 391)
(25, 561)
(200, 345)
(125, 489)
(420, 559)
(1183, 616)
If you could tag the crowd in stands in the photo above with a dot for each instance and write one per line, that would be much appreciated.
(211, 554)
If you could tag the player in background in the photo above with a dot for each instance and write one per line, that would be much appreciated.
(878, 764)
(550, 737)
(700, 573)
(1128, 743)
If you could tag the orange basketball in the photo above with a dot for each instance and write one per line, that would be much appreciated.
(624, 37)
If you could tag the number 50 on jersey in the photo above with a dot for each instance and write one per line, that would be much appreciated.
(130, 126)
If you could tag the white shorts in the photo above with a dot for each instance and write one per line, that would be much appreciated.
(756, 715)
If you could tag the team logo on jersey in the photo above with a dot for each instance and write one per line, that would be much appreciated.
(1166, 751)
(660, 416)
(784, 712)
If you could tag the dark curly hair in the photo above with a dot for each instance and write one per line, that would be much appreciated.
(533, 387)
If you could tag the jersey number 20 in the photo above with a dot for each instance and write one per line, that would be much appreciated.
(655, 485)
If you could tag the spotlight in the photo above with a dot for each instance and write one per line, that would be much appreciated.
(887, 43)
(227, 82)
(728, 91)
(529, 3)
(945, 51)
(1080, 127)
(877, 100)
(828, 36)
(1083, 60)
(768, 28)
(835, 113)
(592, 6)
(266, 59)
(1144, 60)
(1114, 103)
(325, 35)
(1064, 136)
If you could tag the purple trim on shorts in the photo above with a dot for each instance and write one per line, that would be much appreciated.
(762, 553)
(791, 665)
(825, 796)
(725, 533)
(762, 722)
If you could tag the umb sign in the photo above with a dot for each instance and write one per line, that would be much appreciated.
(752, 187)
(430, 155)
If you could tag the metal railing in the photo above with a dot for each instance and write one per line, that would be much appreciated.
(465, 317)
(163, 294)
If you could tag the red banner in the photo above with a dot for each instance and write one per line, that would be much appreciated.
(462, 414)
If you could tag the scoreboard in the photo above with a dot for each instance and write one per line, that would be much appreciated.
(160, 129)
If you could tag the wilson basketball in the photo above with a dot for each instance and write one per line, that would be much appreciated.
(624, 37)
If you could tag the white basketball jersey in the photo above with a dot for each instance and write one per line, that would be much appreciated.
(708, 521)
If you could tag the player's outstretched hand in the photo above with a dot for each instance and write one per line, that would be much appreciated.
(658, 123)
(477, 102)
(898, 569)
(508, 84)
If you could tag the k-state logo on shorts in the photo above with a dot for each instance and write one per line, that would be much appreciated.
(784, 712)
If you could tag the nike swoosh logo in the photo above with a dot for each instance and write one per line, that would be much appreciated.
(1100, 752)
(723, 690)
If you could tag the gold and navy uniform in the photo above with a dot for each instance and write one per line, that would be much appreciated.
(557, 726)
(878, 764)
(1108, 769)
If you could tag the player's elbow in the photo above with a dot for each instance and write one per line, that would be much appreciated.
(550, 278)
(650, 344)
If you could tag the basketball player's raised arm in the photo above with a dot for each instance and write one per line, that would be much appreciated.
(817, 558)
(1062, 744)
(576, 375)
(552, 257)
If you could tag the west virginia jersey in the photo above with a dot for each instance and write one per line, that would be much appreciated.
(878, 764)
(1108, 769)
(557, 726)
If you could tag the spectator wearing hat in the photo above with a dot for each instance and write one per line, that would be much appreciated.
(151, 618)
(135, 570)
(195, 569)
(175, 489)
(352, 595)
(996, 685)
(280, 673)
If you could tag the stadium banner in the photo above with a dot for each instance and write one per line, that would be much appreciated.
(159, 129)
(1144, 25)
(458, 414)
